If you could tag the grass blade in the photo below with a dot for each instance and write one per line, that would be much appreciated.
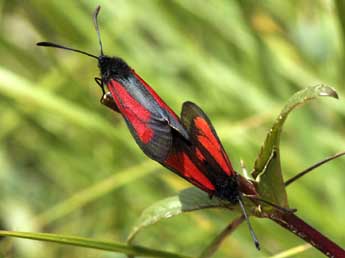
(91, 243)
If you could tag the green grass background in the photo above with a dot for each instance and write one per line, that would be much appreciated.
(68, 165)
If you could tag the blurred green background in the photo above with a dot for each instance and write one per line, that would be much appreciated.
(69, 165)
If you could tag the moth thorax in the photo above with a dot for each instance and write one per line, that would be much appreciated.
(113, 68)
(228, 189)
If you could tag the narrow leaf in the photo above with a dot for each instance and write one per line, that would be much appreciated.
(293, 251)
(267, 167)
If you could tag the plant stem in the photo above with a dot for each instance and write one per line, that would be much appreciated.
(93, 244)
(307, 170)
(297, 226)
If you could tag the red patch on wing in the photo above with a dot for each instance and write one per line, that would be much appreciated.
(155, 95)
(131, 109)
(199, 155)
(210, 142)
(186, 168)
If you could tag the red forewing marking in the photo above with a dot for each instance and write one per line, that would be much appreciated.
(199, 155)
(187, 169)
(155, 95)
(131, 109)
(210, 142)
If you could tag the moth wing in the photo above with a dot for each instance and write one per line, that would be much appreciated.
(151, 132)
(207, 146)
(172, 118)
(181, 162)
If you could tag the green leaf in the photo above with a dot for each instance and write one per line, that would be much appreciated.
(188, 200)
(90, 243)
(267, 167)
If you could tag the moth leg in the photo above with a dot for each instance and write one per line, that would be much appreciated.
(100, 84)
(106, 99)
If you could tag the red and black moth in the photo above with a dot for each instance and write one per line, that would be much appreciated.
(188, 146)
(150, 120)
(204, 162)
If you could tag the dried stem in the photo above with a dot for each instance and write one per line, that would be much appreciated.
(213, 247)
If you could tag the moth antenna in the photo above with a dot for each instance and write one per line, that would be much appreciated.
(256, 241)
(50, 44)
(95, 21)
